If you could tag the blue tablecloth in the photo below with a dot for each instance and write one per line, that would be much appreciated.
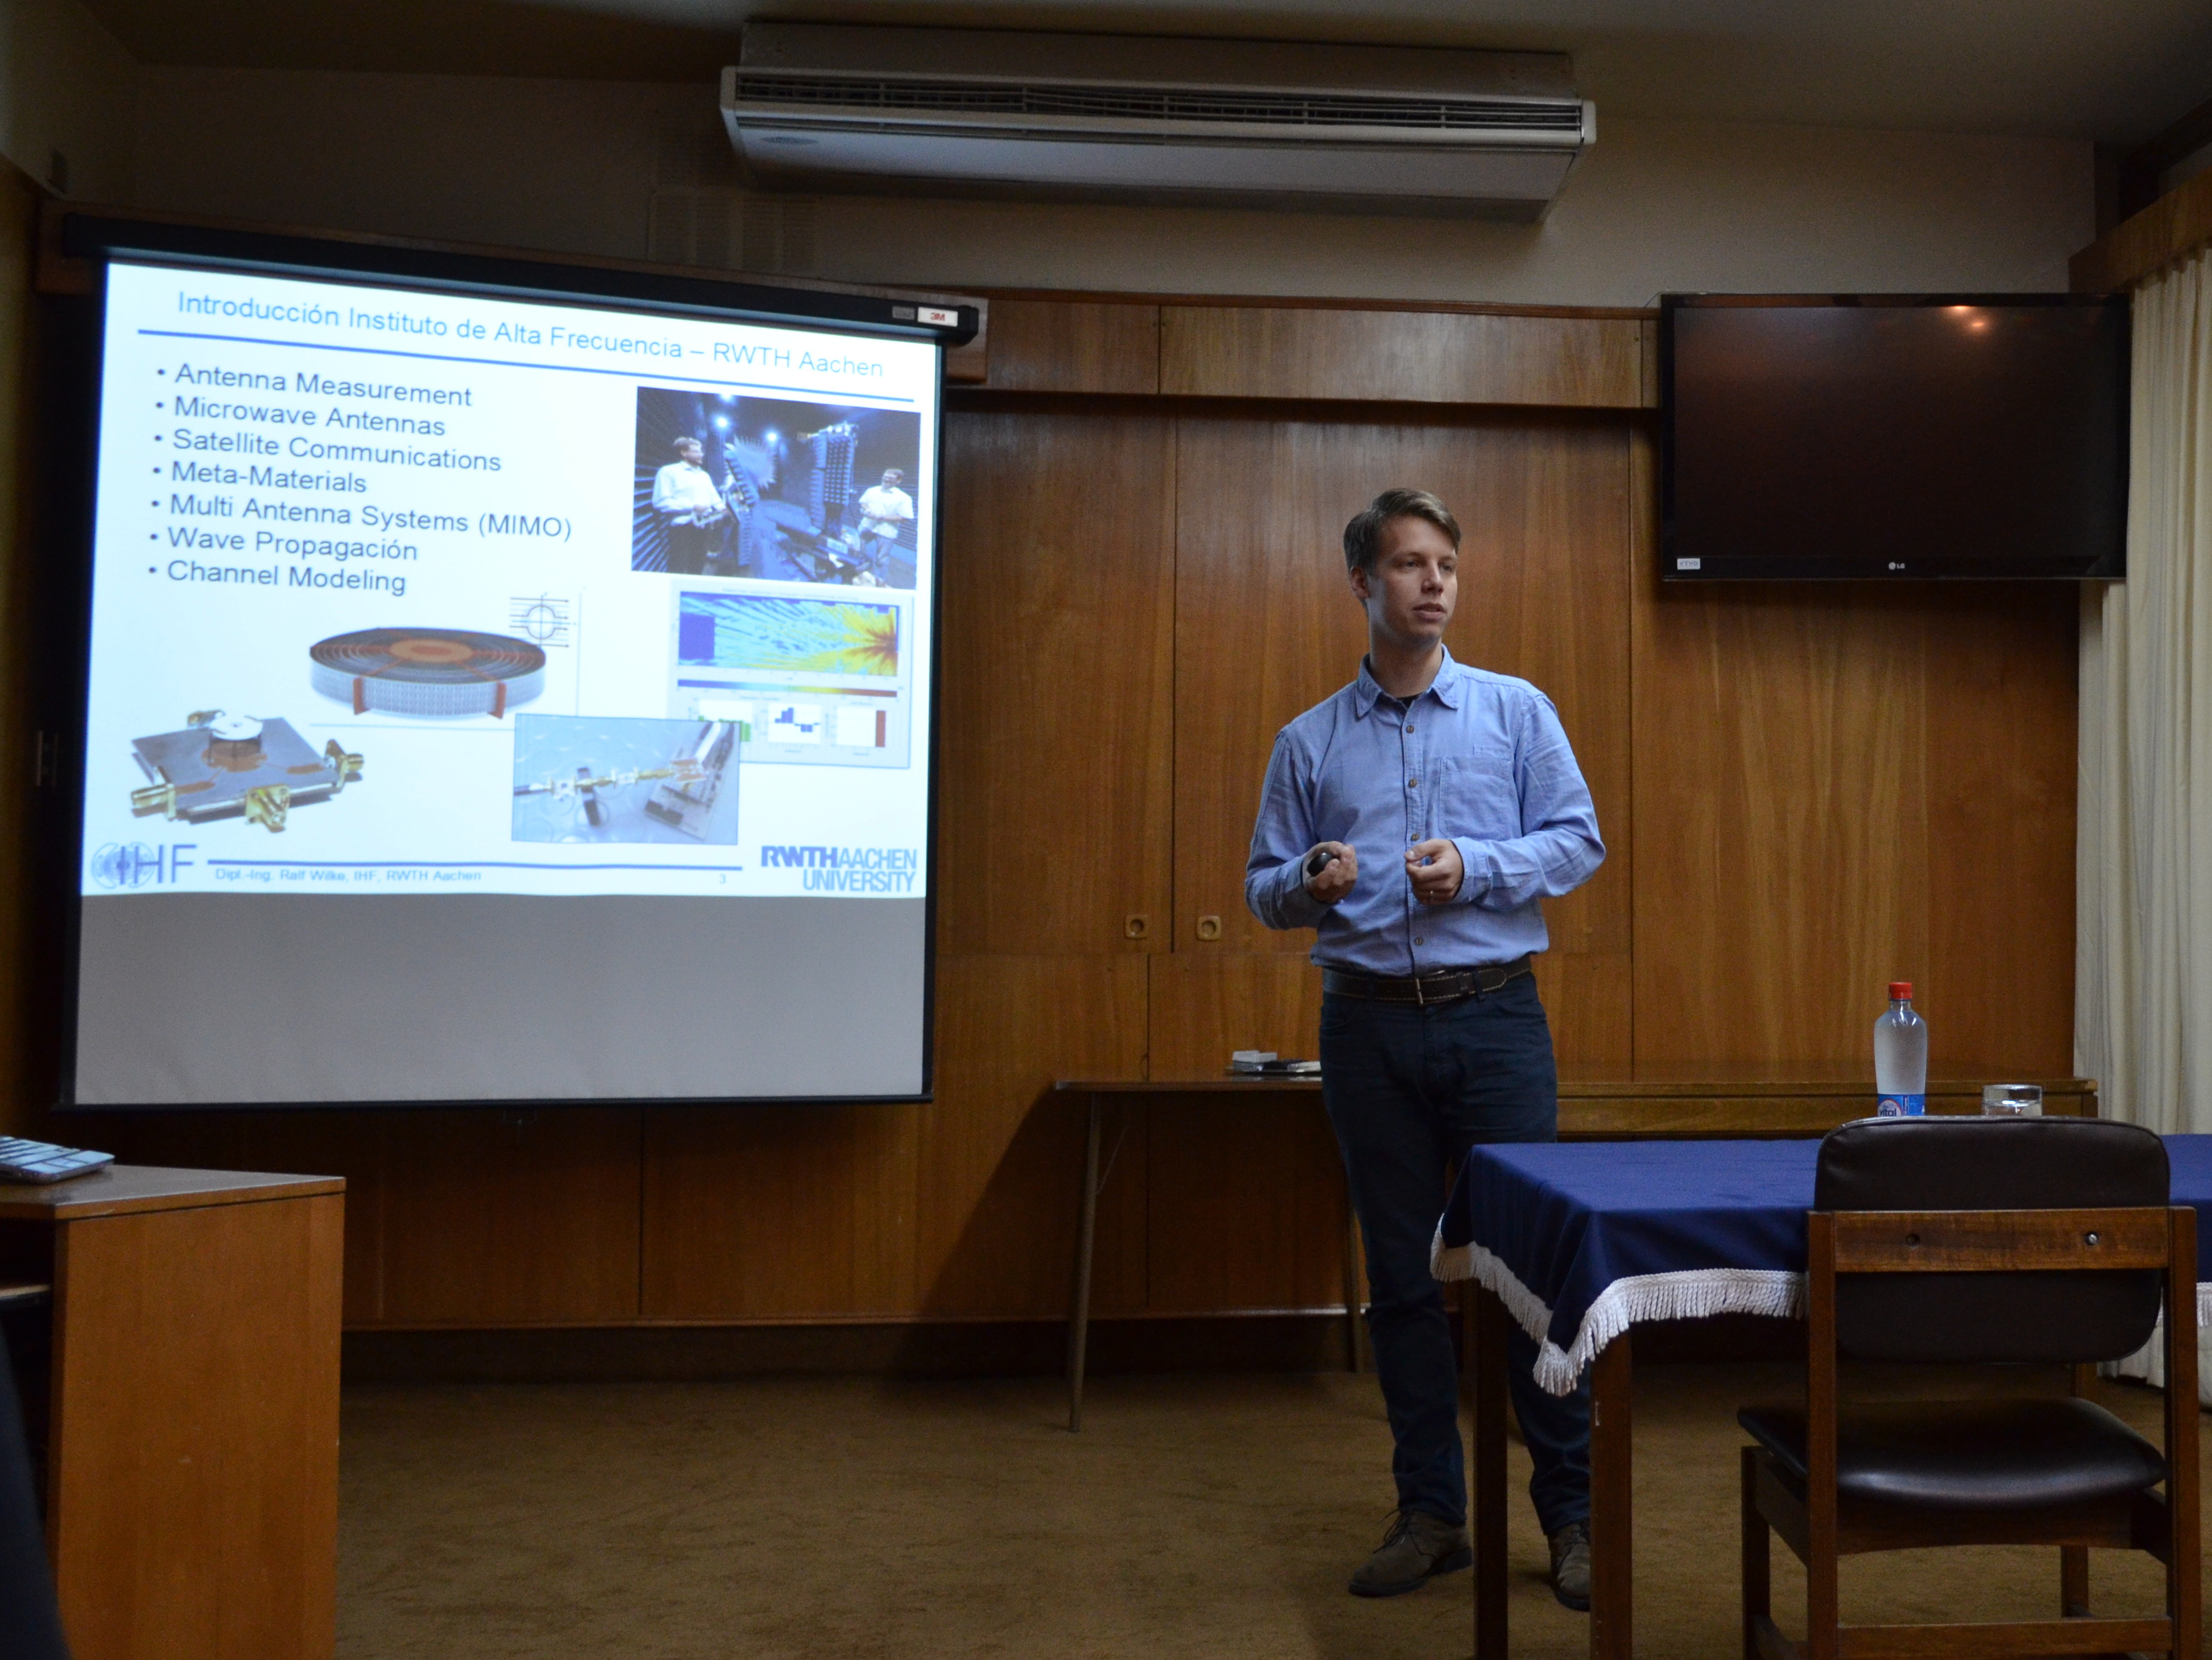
(1582, 1240)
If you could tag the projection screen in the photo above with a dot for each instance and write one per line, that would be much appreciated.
(501, 698)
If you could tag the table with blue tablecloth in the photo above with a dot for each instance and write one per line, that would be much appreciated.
(1579, 1242)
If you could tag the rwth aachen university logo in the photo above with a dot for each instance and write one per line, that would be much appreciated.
(847, 870)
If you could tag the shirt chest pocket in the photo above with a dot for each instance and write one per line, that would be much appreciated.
(1477, 796)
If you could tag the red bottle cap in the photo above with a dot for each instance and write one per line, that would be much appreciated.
(1900, 988)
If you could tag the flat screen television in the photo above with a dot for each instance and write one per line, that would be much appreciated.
(1893, 437)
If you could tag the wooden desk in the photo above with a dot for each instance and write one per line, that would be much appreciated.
(192, 1407)
(1097, 1091)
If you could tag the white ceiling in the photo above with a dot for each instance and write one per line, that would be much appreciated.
(2114, 70)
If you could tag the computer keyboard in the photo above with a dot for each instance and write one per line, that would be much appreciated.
(42, 1161)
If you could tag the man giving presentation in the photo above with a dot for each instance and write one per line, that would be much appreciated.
(1414, 820)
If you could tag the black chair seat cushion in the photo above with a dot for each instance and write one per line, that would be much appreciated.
(1969, 1455)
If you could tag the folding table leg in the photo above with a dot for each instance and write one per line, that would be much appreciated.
(1078, 1320)
(1613, 1547)
(1488, 1364)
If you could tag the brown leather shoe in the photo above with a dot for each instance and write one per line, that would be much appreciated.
(1418, 1548)
(1570, 1567)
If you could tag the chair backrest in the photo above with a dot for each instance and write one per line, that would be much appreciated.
(1945, 1163)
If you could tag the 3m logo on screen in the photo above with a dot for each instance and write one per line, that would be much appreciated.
(847, 870)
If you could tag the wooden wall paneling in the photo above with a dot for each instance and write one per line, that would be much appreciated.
(1435, 357)
(1611, 1109)
(353, 1145)
(1039, 345)
(1001, 1155)
(221, 1501)
(1120, 1279)
(1265, 627)
(1245, 1205)
(1839, 784)
(1591, 1000)
(1205, 1005)
(2001, 713)
(1545, 595)
(763, 1213)
(1781, 821)
(2175, 225)
(195, 1141)
(1055, 745)
(1244, 1197)
(498, 1218)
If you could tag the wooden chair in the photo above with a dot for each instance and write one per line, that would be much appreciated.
(1984, 1240)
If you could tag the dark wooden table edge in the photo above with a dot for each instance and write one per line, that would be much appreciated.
(95, 1195)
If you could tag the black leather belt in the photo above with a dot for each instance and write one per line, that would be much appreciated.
(1444, 988)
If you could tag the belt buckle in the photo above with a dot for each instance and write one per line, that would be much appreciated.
(1420, 998)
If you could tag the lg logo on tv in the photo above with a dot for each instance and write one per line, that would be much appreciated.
(141, 864)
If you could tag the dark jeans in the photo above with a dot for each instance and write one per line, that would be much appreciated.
(1409, 1089)
(688, 546)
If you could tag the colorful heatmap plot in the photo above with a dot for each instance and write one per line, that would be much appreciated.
(758, 632)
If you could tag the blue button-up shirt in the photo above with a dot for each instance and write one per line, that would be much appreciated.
(1478, 757)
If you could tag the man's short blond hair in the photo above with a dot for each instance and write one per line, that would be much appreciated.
(1363, 537)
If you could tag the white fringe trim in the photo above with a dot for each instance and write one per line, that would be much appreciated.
(1700, 1293)
(1687, 1294)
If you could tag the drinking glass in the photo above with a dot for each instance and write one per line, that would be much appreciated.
(2012, 1100)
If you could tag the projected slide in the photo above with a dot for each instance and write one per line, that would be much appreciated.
(408, 591)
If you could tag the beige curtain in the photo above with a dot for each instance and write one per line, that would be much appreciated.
(2143, 951)
(2142, 984)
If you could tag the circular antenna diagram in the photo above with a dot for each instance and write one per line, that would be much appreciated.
(434, 674)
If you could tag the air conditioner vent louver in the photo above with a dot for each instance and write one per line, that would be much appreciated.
(1133, 104)
(1344, 129)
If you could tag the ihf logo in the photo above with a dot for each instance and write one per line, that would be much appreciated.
(122, 865)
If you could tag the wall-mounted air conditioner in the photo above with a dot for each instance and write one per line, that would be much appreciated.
(962, 111)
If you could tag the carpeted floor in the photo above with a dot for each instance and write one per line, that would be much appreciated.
(1195, 1516)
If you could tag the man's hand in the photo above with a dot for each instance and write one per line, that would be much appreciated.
(1435, 870)
(1334, 879)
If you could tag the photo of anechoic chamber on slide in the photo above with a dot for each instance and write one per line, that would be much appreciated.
(764, 487)
(581, 778)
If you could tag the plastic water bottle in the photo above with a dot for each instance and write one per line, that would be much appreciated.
(1900, 1056)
